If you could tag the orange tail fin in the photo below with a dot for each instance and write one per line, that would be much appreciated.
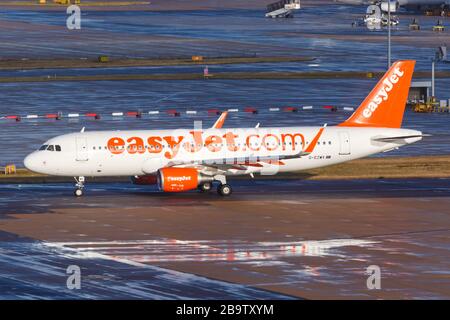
(385, 105)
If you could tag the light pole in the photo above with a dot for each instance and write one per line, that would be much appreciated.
(433, 62)
(389, 34)
(439, 56)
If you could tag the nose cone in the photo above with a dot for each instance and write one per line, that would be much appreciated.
(31, 162)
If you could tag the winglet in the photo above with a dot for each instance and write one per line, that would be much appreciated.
(313, 143)
(219, 123)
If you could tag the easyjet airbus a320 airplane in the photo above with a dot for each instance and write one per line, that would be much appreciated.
(187, 159)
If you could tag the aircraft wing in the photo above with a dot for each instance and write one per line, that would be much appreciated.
(243, 163)
(223, 165)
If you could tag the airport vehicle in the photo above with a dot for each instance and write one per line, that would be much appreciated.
(187, 159)
(396, 4)
(282, 9)
(371, 20)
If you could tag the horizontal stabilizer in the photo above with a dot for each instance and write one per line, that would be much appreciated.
(390, 139)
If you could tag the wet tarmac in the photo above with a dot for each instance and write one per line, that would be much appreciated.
(38, 270)
(270, 239)
(314, 31)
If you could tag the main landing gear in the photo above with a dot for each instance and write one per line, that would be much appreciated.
(205, 187)
(79, 186)
(223, 188)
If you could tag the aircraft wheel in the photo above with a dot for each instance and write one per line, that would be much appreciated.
(205, 187)
(78, 192)
(224, 190)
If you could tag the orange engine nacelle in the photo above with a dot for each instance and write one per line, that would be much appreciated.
(178, 179)
(144, 180)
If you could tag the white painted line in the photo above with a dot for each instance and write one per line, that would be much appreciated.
(233, 110)
(153, 112)
(117, 114)
(32, 116)
(274, 109)
(73, 115)
(307, 107)
(191, 112)
(349, 109)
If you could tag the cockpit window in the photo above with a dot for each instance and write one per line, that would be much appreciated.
(50, 147)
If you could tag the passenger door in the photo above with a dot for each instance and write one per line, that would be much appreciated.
(344, 143)
(82, 149)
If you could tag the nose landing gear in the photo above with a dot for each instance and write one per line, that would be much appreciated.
(79, 186)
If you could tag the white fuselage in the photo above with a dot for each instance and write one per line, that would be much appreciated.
(143, 152)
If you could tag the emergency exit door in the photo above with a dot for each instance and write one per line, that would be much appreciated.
(82, 149)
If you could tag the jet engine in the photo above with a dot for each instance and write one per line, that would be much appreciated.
(144, 180)
(384, 5)
(180, 179)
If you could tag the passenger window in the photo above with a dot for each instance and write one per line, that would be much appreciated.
(51, 148)
(58, 148)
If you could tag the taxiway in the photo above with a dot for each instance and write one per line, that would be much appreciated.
(271, 239)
